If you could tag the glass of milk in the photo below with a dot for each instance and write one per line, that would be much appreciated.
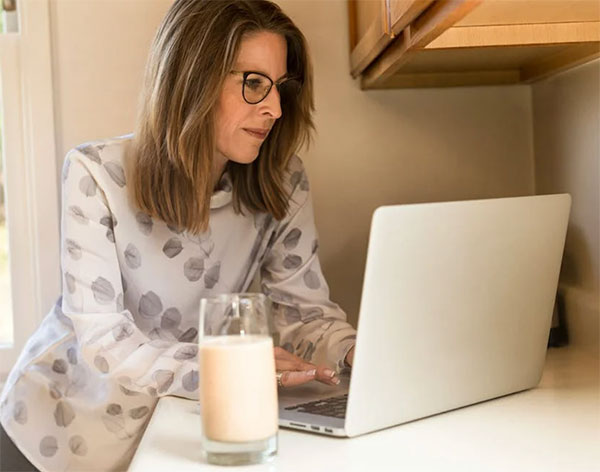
(238, 389)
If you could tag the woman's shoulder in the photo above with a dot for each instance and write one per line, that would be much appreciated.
(102, 159)
(296, 184)
(295, 175)
(104, 150)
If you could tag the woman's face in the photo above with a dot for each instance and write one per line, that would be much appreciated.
(264, 52)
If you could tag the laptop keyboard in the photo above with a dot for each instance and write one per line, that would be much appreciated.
(333, 406)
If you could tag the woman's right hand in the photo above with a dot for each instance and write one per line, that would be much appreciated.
(296, 371)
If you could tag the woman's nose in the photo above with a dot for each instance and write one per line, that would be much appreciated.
(272, 103)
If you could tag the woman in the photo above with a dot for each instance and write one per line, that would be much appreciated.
(206, 193)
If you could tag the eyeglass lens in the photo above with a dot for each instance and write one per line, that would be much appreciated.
(256, 87)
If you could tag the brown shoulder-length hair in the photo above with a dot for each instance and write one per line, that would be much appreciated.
(170, 159)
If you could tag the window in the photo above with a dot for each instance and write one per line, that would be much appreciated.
(6, 325)
(29, 239)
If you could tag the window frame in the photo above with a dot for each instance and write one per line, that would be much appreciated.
(31, 188)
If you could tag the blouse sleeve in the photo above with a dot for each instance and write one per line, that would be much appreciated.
(307, 322)
(108, 338)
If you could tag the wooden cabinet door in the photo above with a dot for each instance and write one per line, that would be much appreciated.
(403, 12)
(374, 24)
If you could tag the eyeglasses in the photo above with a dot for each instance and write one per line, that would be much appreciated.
(257, 86)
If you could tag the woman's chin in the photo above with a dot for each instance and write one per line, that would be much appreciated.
(246, 158)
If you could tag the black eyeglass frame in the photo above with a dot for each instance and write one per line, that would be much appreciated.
(245, 75)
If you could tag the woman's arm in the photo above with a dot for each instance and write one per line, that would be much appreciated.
(108, 338)
(309, 324)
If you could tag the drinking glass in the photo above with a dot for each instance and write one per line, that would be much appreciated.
(238, 389)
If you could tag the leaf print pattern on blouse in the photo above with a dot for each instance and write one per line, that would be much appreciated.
(63, 414)
(110, 222)
(72, 355)
(292, 238)
(78, 445)
(296, 178)
(292, 261)
(114, 409)
(103, 291)
(140, 412)
(172, 247)
(54, 390)
(87, 185)
(163, 379)
(174, 229)
(150, 305)
(122, 331)
(186, 353)
(311, 279)
(212, 275)
(128, 392)
(116, 173)
(107, 221)
(48, 446)
(116, 425)
(193, 269)
(73, 249)
(190, 381)
(101, 364)
(77, 214)
(170, 318)
(20, 412)
(189, 336)
(70, 282)
(133, 258)
(90, 152)
(60, 366)
(144, 222)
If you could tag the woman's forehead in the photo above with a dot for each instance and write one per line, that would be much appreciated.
(264, 52)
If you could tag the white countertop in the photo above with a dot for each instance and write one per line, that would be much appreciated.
(554, 427)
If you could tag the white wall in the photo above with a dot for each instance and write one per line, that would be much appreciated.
(566, 111)
(372, 148)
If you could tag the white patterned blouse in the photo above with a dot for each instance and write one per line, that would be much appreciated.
(125, 331)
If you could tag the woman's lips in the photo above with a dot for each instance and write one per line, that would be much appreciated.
(256, 134)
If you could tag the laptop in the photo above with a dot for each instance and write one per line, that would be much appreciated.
(456, 308)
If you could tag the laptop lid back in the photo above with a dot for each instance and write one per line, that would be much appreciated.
(456, 305)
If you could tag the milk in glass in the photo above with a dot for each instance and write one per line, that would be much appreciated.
(238, 390)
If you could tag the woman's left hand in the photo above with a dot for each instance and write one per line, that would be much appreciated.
(296, 371)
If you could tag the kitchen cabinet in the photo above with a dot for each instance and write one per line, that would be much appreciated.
(421, 43)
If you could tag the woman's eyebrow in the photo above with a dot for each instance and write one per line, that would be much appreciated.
(262, 72)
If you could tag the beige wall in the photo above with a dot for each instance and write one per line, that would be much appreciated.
(372, 148)
(99, 49)
(566, 119)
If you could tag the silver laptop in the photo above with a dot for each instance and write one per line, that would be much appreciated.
(456, 308)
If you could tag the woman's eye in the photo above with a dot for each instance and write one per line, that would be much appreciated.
(254, 84)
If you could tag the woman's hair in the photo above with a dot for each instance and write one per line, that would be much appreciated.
(170, 159)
